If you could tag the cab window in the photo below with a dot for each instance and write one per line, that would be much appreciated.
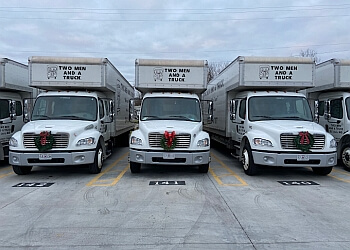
(337, 108)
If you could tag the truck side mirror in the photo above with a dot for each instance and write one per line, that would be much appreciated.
(232, 109)
(317, 115)
(27, 108)
(111, 110)
(327, 113)
(12, 110)
(134, 110)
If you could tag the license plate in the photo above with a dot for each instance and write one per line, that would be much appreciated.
(302, 157)
(168, 156)
(45, 157)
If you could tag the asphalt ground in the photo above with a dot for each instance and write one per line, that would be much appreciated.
(167, 207)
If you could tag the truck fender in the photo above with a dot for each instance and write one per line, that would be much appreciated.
(244, 141)
(345, 140)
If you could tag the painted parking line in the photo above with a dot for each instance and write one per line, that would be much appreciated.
(6, 172)
(109, 176)
(223, 175)
(343, 176)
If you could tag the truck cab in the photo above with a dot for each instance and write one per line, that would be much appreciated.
(268, 123)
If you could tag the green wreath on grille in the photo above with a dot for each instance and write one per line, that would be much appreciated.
(304, 141)
(168, 141)
(44, 141)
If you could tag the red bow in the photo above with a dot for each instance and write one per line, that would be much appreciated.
(304, 137)
(43, 137)
(169, 137)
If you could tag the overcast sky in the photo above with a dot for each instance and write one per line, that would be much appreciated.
(217, 31)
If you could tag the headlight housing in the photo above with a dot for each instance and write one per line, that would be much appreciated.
(86, 141)
(203, 143)
(135, 141)
(13, 142)
(333, 143)
(262, 142)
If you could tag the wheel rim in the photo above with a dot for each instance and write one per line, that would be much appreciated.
(346, 157)
(99, 158)
(245, 159)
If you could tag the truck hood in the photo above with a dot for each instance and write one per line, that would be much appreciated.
(170, 125)
(287, 126)
(55, 126)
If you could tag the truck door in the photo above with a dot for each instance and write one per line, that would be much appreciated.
(335, 124)
(238, 129)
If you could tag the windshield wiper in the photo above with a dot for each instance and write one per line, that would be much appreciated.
(71, 117)
(150, 117)
(294, 117)
(181, 117)
(42, 117)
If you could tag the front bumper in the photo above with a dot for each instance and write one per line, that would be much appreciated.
(51, 158)
(291, 160)
(170, 158)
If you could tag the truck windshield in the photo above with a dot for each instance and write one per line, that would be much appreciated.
(65, 108)
(4, 109)
(278, 108)
(170, 108)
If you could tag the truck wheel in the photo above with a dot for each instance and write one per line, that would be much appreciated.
(322, 170)
(96, 166)
(135, 167)
(203, 168)
(345, 157)
(249, 166)
(22, 170)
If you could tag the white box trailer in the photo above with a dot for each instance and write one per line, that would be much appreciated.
(78, 118)
(170, 116)
(259, 114)
(331, 91)
(13, 89)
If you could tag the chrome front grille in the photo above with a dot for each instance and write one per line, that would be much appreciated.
(287, 141)
(182, 140)
(61, 140)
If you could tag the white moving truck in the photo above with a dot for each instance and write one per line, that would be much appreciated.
(332, 91)
(170, 117)
(14, 87)
(77, 119)
(260, 116)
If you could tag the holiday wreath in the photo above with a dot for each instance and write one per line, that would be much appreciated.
(168, 141)
(304, 141)
(44, 141)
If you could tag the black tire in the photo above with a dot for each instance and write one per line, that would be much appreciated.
(249, 166)
(135, 167)
(345, 157)
(22, 170)
(203, 168)
(96, 166)
(322, 170)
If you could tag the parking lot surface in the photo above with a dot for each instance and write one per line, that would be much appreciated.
(167, 207)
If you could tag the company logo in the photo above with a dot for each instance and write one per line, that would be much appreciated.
(264, 71)
(158, 74)
(52, 72)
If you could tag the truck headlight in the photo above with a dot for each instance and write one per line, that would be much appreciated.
(203, 143)
(333, 143)
(262, 142)
(86, 141)
(135, 140)
(13, 142)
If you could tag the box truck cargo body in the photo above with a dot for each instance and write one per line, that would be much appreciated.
(261, 117)
(78, 118)
(170, 116)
